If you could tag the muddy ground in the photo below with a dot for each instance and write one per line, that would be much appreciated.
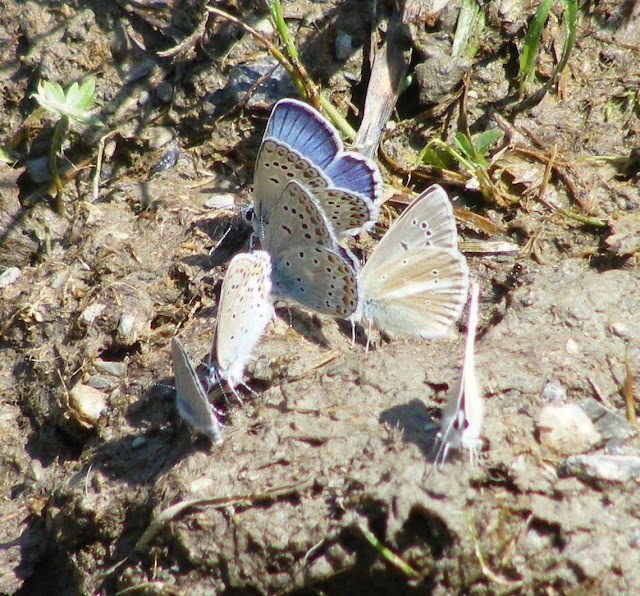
(333, 443)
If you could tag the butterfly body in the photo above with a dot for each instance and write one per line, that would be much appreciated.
(461, 422)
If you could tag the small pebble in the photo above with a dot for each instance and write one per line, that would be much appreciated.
(138, 442)
(126, 327)
(571, 347)
(115, 369)
(92, 312)
(554, 392)
(159, 136)
(343, 45)
(164, 92)
(622, 330)
(143, 98)
(9, 276)
(89, 403)
(262, 25)
(220, 201)
(602, 468)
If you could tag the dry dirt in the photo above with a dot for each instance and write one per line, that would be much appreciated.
(333, 443)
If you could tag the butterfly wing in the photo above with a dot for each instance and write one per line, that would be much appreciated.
(191, 399)
(304, 130)
(276, 166)
(349, 213)
(316, 277)
(300, 144)
(297, 218)
(244, 311)
(419, 293)
(461, 422)
(428, 221)
(472, 402)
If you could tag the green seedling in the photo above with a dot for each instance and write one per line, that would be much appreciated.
(532, 41)
(68, 105)
(470, 155)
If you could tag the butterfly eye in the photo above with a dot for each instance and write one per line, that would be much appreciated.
(248, 214)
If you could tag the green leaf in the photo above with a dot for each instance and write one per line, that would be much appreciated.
(485, 139)
(464, 145)
(531, 41)
(74, 103)
(471, 22)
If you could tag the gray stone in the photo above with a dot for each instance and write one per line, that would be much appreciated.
(601, 468)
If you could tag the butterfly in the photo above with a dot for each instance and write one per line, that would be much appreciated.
(191, 398)
(299, 144)
(415, 281)
(244, 311)
(461, 421)
(309, 266)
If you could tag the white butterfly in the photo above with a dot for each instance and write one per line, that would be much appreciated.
(299, 144)
(415, 281)
(244, 311)
(191, 398)
(461, 421)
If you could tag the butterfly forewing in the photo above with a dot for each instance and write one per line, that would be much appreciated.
(276, 166)
(304, 130)
(296, 219)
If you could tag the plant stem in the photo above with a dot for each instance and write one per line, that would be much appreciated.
(56, 144)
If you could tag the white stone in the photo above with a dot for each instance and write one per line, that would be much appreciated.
(566, 429)
(9, 276)
(89, 403)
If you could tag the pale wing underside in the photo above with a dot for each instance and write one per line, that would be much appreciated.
(428, 221)
(244, 311)
(418, 294)
(191, 399)
(296, 218)
(318, 278)
(461, 422)
(276, 166)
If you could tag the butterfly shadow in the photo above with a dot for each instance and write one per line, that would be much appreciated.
(307, 325)
(157, 440)
(229, 234)
(416, 424)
